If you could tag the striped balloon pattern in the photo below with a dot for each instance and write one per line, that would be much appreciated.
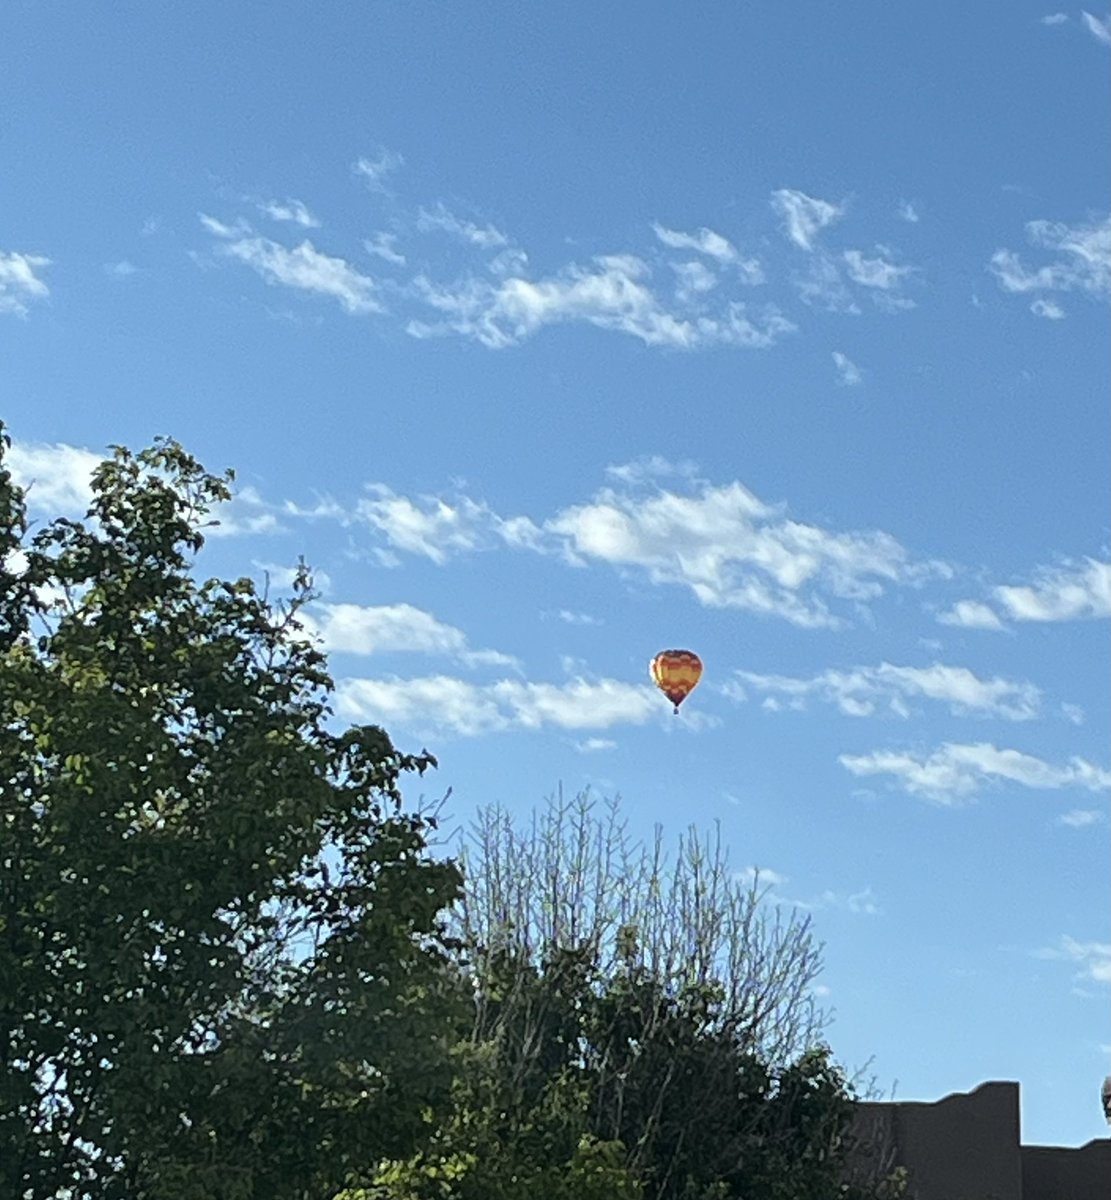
(676, 673)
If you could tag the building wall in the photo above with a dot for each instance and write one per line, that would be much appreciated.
(1061, 1173)
(967, 1146)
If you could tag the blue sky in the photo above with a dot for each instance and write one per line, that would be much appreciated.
(555, 335)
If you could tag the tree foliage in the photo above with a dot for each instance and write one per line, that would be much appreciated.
(231, 967)
(659, 1018)
(222, 972)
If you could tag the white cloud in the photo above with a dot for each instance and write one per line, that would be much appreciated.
(822, 286)
(956, 772)
(713, 245)
(445, 704)
(19, 281)
(1049, 309)
(375, 171)
(302, 267)
(651, 467)
(221, 229)
(971, 614)
(705, 241)
(577, 618)
(1083, 260)
(613, 292)
(1094, 958)
(485, 237)
(510, 261)
(594, 745)
(860, 691)
(767, 881)
(289, 210)
(1057, 18)
(1069, 592)
(1080, 818)
(730, 548)
(693, 279)
(1098, 27)
(804, 216)
(761, 876)
(384, 246)
(433, 528)
(120, 270)
(56, 477)
(393, 628)
(1073, 713)
(848, 373)
(908, 211)
(874, 272)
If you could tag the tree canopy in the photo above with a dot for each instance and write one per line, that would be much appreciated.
(221, 966)
(233, 967)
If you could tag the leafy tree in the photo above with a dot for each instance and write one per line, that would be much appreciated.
(222, 968)
(662, 1016)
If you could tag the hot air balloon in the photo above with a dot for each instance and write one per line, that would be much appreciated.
(676, 673)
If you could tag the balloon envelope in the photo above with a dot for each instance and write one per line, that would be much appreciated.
(676, 673)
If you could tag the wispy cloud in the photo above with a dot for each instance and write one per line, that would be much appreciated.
(364, 630)
(877, 272)
(375, 171)
(729, 548)
(301, 267)
(1094, 958)
(862, 691)
(384, 246)
(19, 281)
(693, 279)
(612, 292)
(1049, 309)
(428, 526)
(1083, 262)
(569, 617)
(289, 210)
(957, 772)
(908, 211)
(705, 241)
(1081, 818)
(120, 270)
(769, 882)
(1070, 592)
(444, 704)
(650, 468)
(713, 245)
(821, 285)
(485, 237)
(1098, 27)
(595, 745)
(848, 373)
(971, 614)
(803, 216)
(1057, 18)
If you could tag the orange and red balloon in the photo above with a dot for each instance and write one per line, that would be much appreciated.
(676, 673)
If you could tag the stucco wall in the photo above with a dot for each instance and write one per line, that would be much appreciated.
(967, 1146)
(1062, 1173)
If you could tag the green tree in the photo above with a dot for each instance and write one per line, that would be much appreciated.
(222, 966)
(663, 1015)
